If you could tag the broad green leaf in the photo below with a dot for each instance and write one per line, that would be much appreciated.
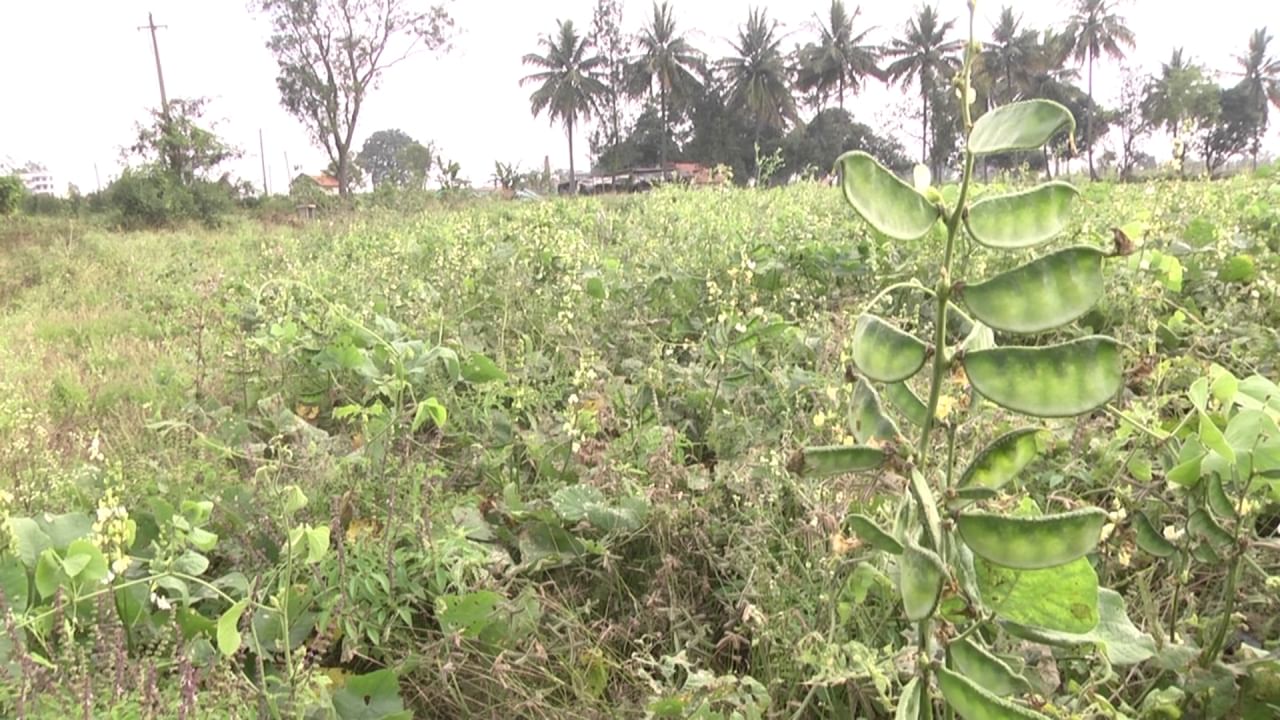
(1115, 634)
(1046, 293)
(228, 634)
(909, 701)
(14, 583)
(1239, 269)
(63, 529)
(988, 671)
(1149, 538)
(902, 397)
(1199, 394)
(202, 539)
(870, 533)
(92, 564)
(830, 460)
(1256, 392)
(1022, 125)
(432, 409)
(1063, 598)
(1224, 386)
(1201, 524)
(1187, 472)
(888, 204)
(1250, 429)
(1063, 380)
(1213, 439)
(973, 702)
(920, 577)
(29, 540)
(1032, 543)
(294, 499)
(883, 352)
(48, 573)
(1002, 460)
(467, 615)
(574, 501)
(317, 543)
(479, 369)
(372, 696)
(191, 563)
(1024, 219)
(868, 422)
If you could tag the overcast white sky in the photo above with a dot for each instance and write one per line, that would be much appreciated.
(79, 74)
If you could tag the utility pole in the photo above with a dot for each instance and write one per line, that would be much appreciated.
(155, 47)
(262, 153)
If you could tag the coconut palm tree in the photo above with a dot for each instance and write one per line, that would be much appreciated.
(1261, 82)
(757, 74)
(1095, 29)
(841, 60)
(569, 86)
(1008, 57)
(1176, 98)
(924, 55)
(668, 64)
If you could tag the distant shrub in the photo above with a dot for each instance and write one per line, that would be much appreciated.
(150, 198)
(11, 192)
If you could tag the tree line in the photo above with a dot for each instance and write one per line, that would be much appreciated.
(737, 109)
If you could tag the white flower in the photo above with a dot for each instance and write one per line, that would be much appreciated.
(161, 602)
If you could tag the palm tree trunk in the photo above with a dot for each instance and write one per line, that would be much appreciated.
(842, 90)
(924, 132)
(1088, 125)
(573, 180)
(662, 95)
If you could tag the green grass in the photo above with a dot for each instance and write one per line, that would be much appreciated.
(667, 351)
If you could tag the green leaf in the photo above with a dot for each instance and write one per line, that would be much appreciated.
(29, 540)
(372, 696)
(191, 563)
(883, 352)
(1063, 598)
(1225, 386)
(49, 573)
(988, 671)
(202, 539)
(430, 408)
(830, 460)
(909, 701)
(229, 629)
(870, 533)
(1046, 293)
(1023, 219)
(595, 287)
(1115, 634)
(479, 370)
(1032, 543)
(317, 543)
(888, 204)
(574, 502)
(92, 564)
(973, 702)
(467, 615)
(1239, 269)
(294, 499)
(1063, 380)
(1149, 538)
(1022, 125)
(920, 577)
(901, 396)
(867, 419)
(1213, 439)
(14, 583)
(1002, 460)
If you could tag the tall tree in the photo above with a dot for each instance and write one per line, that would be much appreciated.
(1008, 57)
(667, 64)
(1178, 99)
(841, 60)
(332, 53)
(1261, 83)
(924, 55)
(181, 143)
(1095, 29)
(392, 157)
(569, 86)
(614, 49)
(757, 74)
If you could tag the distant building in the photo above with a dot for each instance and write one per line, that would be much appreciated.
(324, 182)
(38, 182)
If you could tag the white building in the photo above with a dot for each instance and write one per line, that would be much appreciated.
(38, 182)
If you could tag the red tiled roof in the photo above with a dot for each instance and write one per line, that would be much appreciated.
(325, 180)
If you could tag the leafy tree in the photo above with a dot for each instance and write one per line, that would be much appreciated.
(332, 53)
(757, 75)
(1095, 29)
(1228, 129)
(1133, 125)
(614, 48)
(841, 60)
(1261, 83)
(569, 86)
(12, 191)
(392, 157)
(721, 130)
(1178, 100)
(925, 56)
(833, 132)
(668, 64)
(1008, 57)
(181, 144)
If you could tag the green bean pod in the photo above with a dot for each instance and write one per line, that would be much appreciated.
(913, 694)
(1024, 125)
(867, 419)
(973, 702)
(1063, 380)
(920, 576)
(1032, 543)
(986, 670)
(901, 396)
(828, 460)
(887, 203)
(1043, 294)
(1219, 503)
(1003, 459)
(1201, 524)
(870, 533)
(1022, 219)
(1150, 539)
(883, 352)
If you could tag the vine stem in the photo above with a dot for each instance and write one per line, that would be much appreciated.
(941, 358)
